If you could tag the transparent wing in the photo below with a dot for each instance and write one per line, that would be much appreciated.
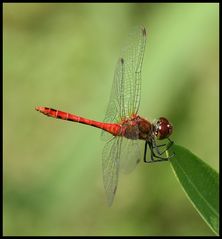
(130, 154)
(125, 94)
(110, 165)
(133, 55)
(124, 101)
(114, 107)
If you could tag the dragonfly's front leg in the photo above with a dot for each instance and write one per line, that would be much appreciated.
(154, 155)
(154, 145)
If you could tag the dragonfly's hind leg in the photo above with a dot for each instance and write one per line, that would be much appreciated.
(152, 153)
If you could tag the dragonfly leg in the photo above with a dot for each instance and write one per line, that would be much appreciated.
(152, 153)
(155, 146)
(157, 157)
(145, 149)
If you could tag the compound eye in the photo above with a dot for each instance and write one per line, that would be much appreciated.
(163, 128)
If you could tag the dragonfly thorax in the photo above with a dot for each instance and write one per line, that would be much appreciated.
(136, 128)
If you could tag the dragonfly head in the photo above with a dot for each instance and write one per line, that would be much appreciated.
(162, 128)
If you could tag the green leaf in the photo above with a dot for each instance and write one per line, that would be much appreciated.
(200, 182)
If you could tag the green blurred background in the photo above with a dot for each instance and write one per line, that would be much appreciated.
(63, 56)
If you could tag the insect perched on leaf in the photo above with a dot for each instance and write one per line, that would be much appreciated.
(122, 126)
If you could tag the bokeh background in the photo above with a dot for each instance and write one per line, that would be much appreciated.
(63, 56)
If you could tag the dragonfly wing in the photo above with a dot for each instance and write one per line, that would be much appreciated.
(115, 102)
(126, 89)
(124, 101)
(130, 154)
(132, 56)
(110, 165)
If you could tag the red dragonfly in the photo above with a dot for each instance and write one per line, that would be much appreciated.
(123, 127)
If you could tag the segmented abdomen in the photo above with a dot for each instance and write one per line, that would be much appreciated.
(114, 129)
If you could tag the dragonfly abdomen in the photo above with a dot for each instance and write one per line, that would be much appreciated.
(109, 127)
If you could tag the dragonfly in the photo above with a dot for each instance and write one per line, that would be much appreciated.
(123, 128)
